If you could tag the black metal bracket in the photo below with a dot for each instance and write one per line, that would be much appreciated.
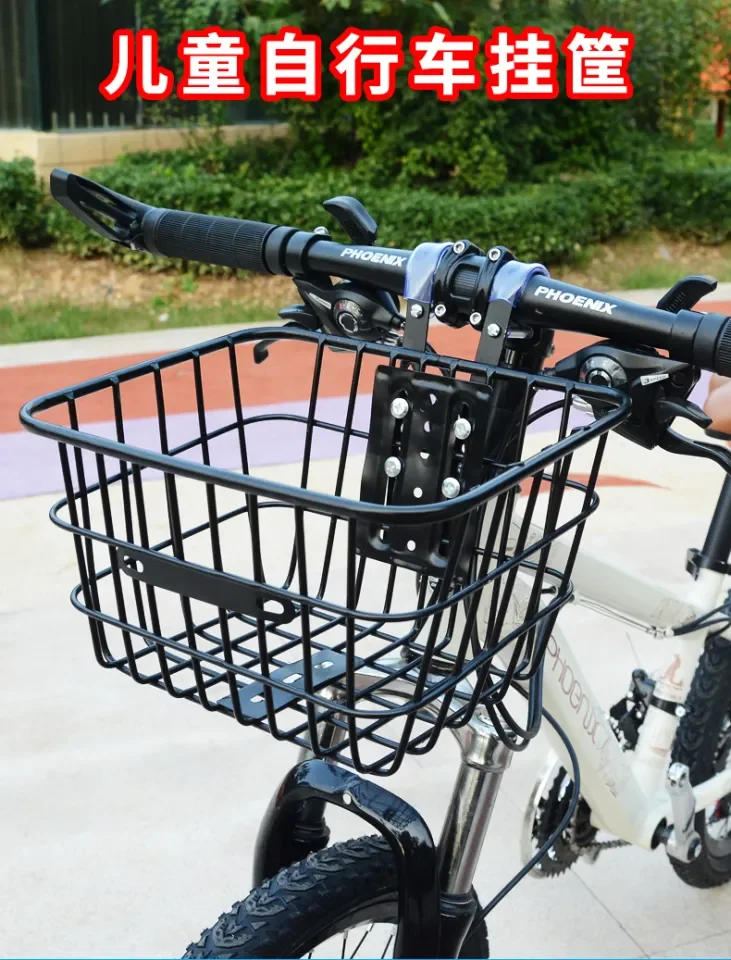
(398, 822)
(494, 314)
(426, 453)
(327, 667)
(209, 586)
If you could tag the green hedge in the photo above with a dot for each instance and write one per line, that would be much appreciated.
(551, 222)
(22, 205)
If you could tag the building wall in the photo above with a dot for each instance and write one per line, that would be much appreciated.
(79, 151)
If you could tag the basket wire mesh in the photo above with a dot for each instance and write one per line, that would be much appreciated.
(238, 557)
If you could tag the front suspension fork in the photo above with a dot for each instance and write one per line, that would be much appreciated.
(436, 906)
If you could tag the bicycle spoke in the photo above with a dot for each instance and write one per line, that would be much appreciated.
(360, 942)
(388, 944)
(345, 945)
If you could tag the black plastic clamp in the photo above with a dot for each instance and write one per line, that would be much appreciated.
(695, 561)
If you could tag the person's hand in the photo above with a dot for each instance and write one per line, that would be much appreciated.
(718, 403)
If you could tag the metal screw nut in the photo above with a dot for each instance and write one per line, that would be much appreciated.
(440, 310)
(462, 428)
(493, 254)
(392, 466)
(460, 246)
(416, 310)
(494, 330)
(450, 488)
(476, 318)
(399, 408)
(680, 711)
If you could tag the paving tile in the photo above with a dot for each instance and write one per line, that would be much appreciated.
(718, 946)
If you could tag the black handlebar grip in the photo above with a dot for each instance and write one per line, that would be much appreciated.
(221, 241)
(723, 350)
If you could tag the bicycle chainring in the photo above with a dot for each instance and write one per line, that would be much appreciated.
(579, 837)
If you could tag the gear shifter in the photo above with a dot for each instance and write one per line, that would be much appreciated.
(686, 293)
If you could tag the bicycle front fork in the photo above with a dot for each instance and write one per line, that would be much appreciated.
(436, 881)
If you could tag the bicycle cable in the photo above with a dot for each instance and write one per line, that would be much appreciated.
(573, 804)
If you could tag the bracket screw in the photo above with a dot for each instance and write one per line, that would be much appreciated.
(493, 254)
(440, 310)
(399, 408)
(476, 318)
(347, 799)
(321, 231)
(462, 428)
(416, 310)
(494, 330)
(680, 711)
(392, 466)
(460, 246)
(450, 488)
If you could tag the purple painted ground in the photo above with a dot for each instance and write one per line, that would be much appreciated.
(29, 465)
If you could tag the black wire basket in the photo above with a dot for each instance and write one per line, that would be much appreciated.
(339, 571)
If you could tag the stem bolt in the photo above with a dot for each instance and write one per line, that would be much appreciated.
(450, 488)
(462, 428)
(399, 408)
(493, 254)
(459, 247)
(392, 466)
(416, 310)
(476, 318)
(440, 310)
(494, 330)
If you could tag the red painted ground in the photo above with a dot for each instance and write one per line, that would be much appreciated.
(284, 377)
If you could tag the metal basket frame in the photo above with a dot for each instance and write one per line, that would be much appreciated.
(415, 678)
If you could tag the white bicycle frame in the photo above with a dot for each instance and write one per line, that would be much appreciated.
(626, 790)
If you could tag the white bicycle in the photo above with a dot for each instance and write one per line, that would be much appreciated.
(410, 582)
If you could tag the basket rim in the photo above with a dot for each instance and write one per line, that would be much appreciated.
(312, 500)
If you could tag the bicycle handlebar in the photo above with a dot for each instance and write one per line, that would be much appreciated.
(703, 339)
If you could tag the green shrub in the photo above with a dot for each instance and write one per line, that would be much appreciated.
(22, 205)
(690, 200)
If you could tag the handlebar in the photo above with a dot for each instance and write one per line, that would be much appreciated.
(702, 339)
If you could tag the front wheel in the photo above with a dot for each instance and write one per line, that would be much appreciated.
(339, 902)
(703, 742)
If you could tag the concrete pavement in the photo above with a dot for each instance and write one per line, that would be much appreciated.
(129, 819)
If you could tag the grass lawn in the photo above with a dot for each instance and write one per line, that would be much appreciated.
(60, 320)
(47, 296)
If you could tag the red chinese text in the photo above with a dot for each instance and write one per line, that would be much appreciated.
(291, 66)
(214, 65)
(444, 63)
(596, 64)
(521, 66)
(153, 81)
(378, 51)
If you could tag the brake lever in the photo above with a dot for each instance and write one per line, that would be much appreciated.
(676, 443)
(298, 316)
